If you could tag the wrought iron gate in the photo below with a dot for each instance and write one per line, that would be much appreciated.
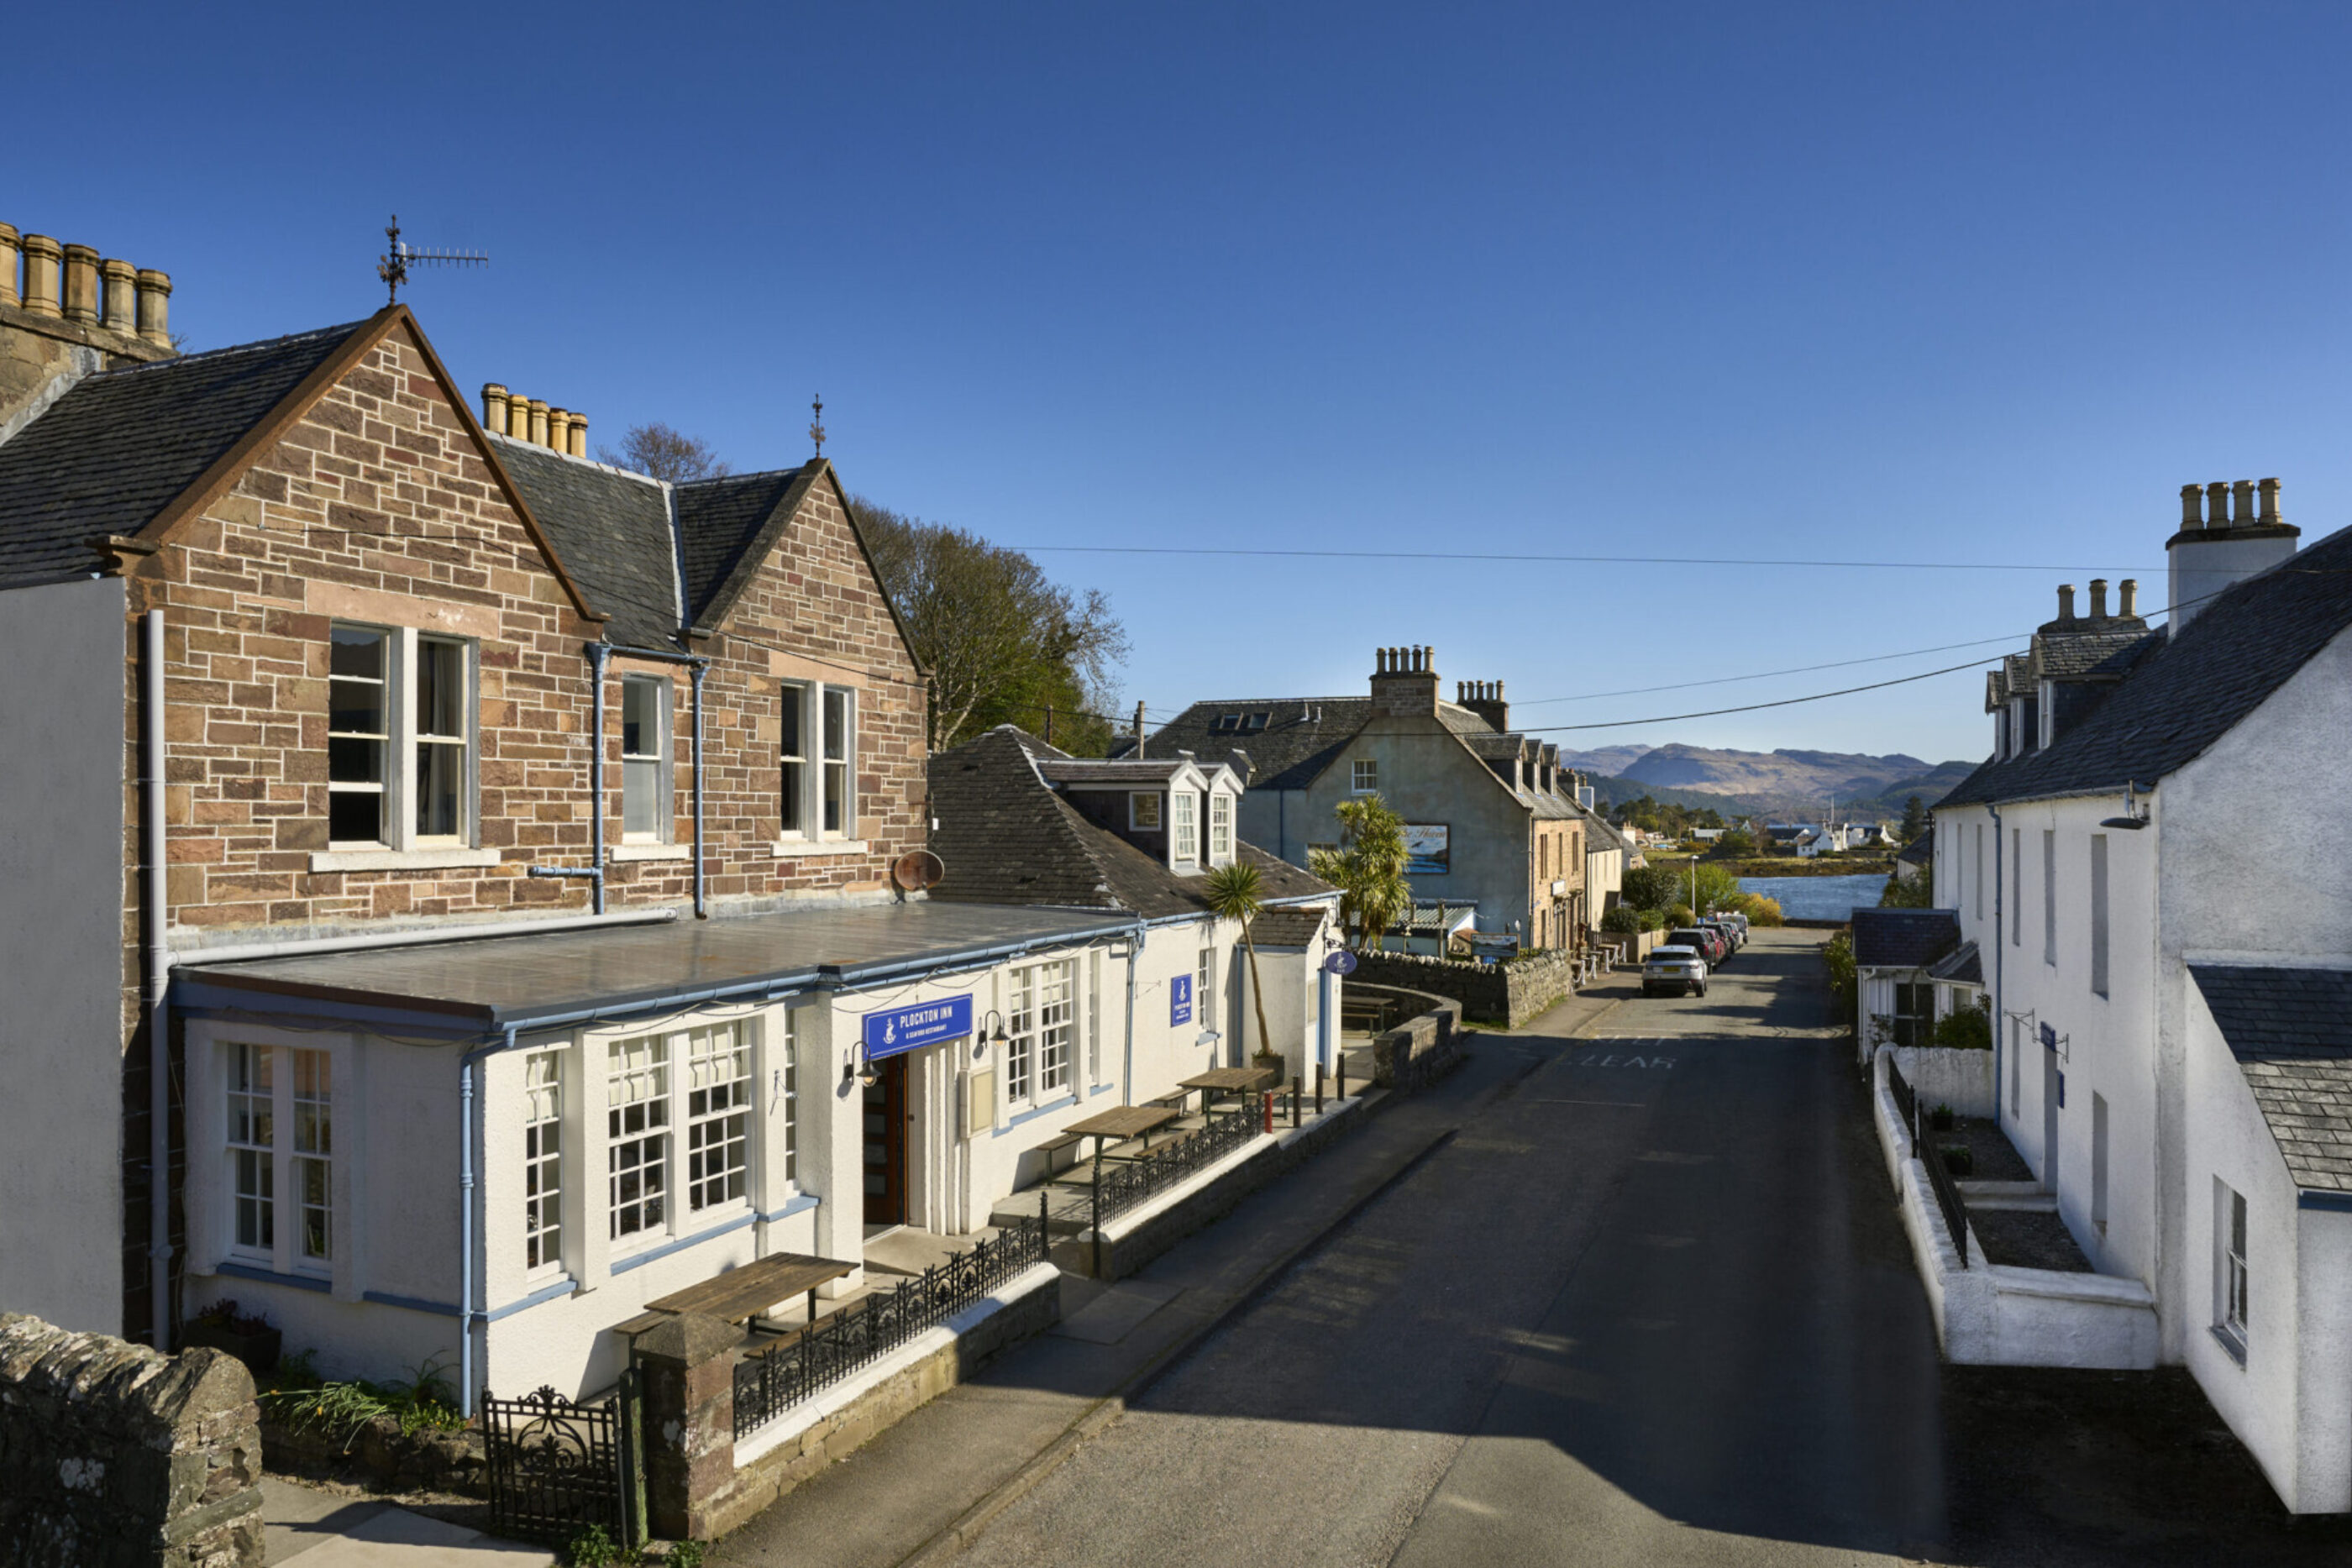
(556, 1467)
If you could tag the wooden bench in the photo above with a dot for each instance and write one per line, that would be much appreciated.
(1054, 1147)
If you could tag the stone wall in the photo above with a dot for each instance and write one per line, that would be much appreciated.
(1423, 1049)
(1509, 994)
(115, 1456)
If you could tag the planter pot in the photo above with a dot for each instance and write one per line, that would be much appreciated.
(257, 1350)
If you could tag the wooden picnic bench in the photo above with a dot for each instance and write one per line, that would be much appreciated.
(1055, 1145)
(742, 1294)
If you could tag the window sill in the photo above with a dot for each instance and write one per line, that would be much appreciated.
(2229, 1342)
(626, 852)
(810, 849)
(262, 1273)
(663, 1247)
(401, 860)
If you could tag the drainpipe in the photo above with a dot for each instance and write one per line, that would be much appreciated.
(597, 655)
(158, 977)
(1999, 1020)
(465, 1313)
(698, 670)
(1134, 960)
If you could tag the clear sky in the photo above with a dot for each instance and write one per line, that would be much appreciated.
(1898, 282)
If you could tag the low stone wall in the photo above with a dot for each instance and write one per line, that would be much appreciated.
(380, 1452)
(1509, 994)
(1420, 1050)
(701, 1483)
(112, 1456)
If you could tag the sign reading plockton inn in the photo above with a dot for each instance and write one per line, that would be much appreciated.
(895, 1029)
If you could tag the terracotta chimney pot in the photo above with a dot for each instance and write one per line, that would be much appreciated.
(2270, 514)
(559, 429)
(2128, 604)
(155, 307)
(2241, 504)
(81, 284)
(2098, 599)
(2192, 506)
(121, 309)
(579, 434)
(2217, 504)
(2065, 601)
(537, 427)
(10, 244)
(494, 407)
(41, 255)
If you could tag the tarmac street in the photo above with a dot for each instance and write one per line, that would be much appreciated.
(1645, 1307)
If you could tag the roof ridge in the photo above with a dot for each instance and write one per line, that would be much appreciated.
(501, 437)
(212, 355)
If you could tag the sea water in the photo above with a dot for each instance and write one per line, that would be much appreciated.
(1818, 897)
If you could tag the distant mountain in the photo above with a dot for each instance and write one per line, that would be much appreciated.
(1787, 783)
(1617, 791)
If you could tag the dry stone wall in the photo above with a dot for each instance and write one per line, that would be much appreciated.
(115, 1457)
(1509, 994)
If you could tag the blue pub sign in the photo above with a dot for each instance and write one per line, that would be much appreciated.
(897, 1030)
(1179, 1001)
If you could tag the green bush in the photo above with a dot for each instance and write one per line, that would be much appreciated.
(1959, 1159)
(1965, 1029)
(1679, 916)
(1908, 892)
(422, 1401)
(1653, 886)
(1940, 1118)
(1837, 957)
(1623, 919)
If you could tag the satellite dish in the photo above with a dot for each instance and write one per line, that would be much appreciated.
(917, 870)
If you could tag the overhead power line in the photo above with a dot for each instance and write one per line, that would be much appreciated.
(1570, 559)
(1752, 707)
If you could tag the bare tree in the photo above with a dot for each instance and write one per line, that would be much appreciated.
(1002, 640)
(662, 452)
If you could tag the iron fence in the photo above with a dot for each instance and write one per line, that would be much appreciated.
(1905, 1101)
(1132, 1181)
(557, 1467)
(767, 1385)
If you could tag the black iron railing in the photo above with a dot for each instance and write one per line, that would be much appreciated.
(768, 1384)
(557, 1467)
(1131, 1182)
(1939, 1177)
(1906, 1102)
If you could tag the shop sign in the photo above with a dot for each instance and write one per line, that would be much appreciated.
(912, 1027)
(1179, 1001)
(1427, 849)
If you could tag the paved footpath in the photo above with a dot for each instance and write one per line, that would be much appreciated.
(1645, 1308)
(937, 1479)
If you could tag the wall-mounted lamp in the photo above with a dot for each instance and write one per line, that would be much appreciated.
(2134, 815)
(983, 1037)
(861, 1073)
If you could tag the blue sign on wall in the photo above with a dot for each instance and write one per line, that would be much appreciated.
(897, 1030)
(2048, 1037)
(1179, 1001)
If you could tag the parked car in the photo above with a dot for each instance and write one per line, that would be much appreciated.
(1732, 938)
(1737, 921)
(1708, 944)
(1673, 969)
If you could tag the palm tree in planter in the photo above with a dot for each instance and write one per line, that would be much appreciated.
(1368, 872)
(1234, 893)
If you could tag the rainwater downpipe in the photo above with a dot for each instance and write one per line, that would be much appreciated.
(698, 669)
(597, 655)
(465, 1313)
(158, 979)
(2001, 1024)
(1134, 961)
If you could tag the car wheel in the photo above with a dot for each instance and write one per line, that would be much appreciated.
(1699, 991)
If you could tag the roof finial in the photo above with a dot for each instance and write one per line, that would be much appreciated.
(816, 425)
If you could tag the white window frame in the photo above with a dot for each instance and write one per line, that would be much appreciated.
(788, 1094)
(1143, 813)
(719, 1090)
(1204, 989)
(686, 1125)
(1183, 828)
(802, 827)
(1041, 1031)
(1364, 775)
(402, 737)
(285, 1161)
(543, 1163)
(652, 1136)
(658, 690)
(2232, 1291)
(1220, 827)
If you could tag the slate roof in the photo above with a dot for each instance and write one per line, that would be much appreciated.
(1303, 735)
(1094, 770)
(613, 530)
(1289, 927)
(2187, 692)
(120, 445)
(2093, 655)
(1964, 965)
(1920, 850)
(1006, 837)
(2290, 1031)
(1904, 938)
(719, 520)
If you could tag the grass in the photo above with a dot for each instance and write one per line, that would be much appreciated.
(300, 1398)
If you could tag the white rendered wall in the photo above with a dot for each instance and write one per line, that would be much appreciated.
(62, 774)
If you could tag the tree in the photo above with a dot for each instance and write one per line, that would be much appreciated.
(1915, 820)
(1003, 642)
(1232, 891)
(661, 453)
(1368, 869)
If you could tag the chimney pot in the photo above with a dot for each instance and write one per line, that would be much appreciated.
(81, 284)
(2217, 504)
(494, 408)
(2128, 598)
(120, 308)
(2192, 508)
(2098, 599)
(519, 418)
(2065, 601)
(10, 244)
(155, 307)
(538, 426)
(2270, 514)
(41, 255)
(559, 429)
(579, 434)
(2241, 504)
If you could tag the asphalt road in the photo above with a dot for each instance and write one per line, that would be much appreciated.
(1645, 1307)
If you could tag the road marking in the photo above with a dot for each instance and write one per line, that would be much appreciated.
(1611, 1058)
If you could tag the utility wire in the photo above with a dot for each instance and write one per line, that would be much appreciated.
(1752, 707)
(1565, 559)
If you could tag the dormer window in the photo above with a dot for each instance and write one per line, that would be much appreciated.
(1221, 828)
(1184, 838)
(1257, 721)
(1143, 813)
(1230, 721)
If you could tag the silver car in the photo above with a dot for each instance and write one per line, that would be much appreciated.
(1673, 970)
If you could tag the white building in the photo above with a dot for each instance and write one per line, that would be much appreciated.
(2152, 864)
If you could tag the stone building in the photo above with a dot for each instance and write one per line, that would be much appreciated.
(1489, 814)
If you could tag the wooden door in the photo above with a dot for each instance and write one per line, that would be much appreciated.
(886, 1144)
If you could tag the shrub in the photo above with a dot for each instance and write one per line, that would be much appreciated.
(1837, 957)
(1679, 915)
(1623, 919)
(1908, 892)
(1959, 1159)
(422, 1400)
(224, 1315)
(1940, 1118)
(1965, 1029)
(1762, 911)
(1652, 886)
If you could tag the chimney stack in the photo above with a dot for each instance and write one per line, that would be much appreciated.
(1486, 702)
(2098, 599)
(2128, 591)
(74, 314)
(1404, 681)
(2233, 545)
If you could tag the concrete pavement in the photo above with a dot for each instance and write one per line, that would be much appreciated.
(308, 1528)
(1643, 1309)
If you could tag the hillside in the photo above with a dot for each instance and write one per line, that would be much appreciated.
(1786, 783)
(1615, 791)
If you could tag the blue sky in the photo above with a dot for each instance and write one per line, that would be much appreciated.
(1885, 283)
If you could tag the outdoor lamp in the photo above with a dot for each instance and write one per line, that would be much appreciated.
(851, 1072)
(983, 1037)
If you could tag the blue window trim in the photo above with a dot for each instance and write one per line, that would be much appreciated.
(800, 1204)
(2339, 1202)
(640, 1259)
(268, 1277)
(1100, 1089)
(563, 1287)
(1064, 1103)
(412, 1303)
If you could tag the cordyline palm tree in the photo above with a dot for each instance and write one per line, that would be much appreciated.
(1234, 893)
(1369, 871)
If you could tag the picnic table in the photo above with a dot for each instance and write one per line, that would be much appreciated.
(1220, 1080)
(740, 1294)
(1123, 1121)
